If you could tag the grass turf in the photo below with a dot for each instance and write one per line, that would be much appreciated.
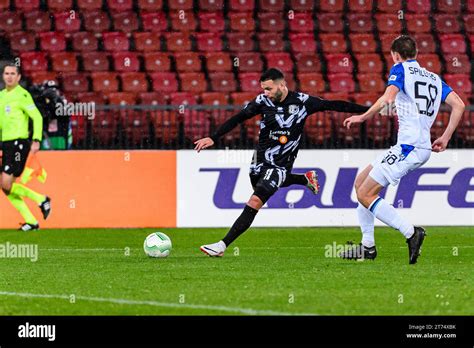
(266, 271)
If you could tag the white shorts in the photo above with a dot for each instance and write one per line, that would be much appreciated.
(397, 162)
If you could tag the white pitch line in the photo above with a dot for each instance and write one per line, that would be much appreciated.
(246, 311)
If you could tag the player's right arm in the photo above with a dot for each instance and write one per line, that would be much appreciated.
(250, 110)
(457, 110)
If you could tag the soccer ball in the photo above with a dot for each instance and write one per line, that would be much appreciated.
(157, 244)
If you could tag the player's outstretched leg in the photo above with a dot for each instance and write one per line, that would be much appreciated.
(414, 244)
(309, 179)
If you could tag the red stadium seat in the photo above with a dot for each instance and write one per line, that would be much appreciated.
(78, 126)
(419, 6)
(459, 82)
(330, 22)
(367, 99)
(311, 83)
(368, 63)
(344, 135)
(26, 5)
(222, 82)
(290, 80)
(183, 21)
(341, 83)
(96, 21)
(250, 82)
(242, 98)
(209, 42)
(242, 21)
(22, 41)
(301, 22)
(318, 128)
(89, 5)
(154, 21)
(211, 21)
(386, 42)
(178, 41)
(388, 23)
(363, 43)
(119, 5)
(307, 62)
(453, 43)
(39, 77)
(121, 98)
(333, 43)
(252, 128)
(240, 42)
(271, 42)
(186, 5)
(363, 6)
(104, 81)
(371, 83)
(218, 61)
(470, 6)
(164, 82)
(157, 61)
(10, 22)
(84, 41)
(439, 125)
(151, 98)
(471, 40)
(302, 5)
(166, 126)
(302, 42)
(469, 23)
(248, 61)
(193, 82)
(271, 5)
(448, 6)
(211, 5)
(214, 98)
(134, 82)
(339, 63)
(137, 127)
(95, 61)
(37, 21)
(457, 63)
(465, 130)
(52, 41)
(66, 22)
(389, 6)
(104, 128)
(188, 62)
(445, 24)
(126, 61)
(64, 61)
(150, 5)
(281, 61)
(115, 41)
(378, 129)
(125, 21)
(425, 43)
(75, 82)
(331, 6)
(183, 98)
(91, 97)
(4, 5)
(271, 21)
(242, 5)
(360, 22)
(418, 23)
(430, 62)
(147, 41)
(196, 124)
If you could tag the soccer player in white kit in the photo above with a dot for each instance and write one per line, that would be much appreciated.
(417, 94)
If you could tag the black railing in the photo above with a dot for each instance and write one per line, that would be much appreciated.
(177, 127)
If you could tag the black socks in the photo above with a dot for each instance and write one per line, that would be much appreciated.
(240, 225)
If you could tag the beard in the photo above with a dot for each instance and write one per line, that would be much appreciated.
(277, 96)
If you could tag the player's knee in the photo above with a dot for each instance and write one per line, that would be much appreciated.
(255, 202)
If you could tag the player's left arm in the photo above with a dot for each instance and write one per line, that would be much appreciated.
(385, 100)
(29, 107)
(457, 110)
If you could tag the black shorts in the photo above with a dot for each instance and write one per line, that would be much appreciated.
(266, 181)
(15, 154)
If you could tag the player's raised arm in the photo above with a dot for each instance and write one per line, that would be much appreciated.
(249, 111)
(457, 109)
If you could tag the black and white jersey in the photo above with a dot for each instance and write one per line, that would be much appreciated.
(281, 125)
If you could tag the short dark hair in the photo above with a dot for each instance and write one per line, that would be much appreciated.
(272, 74)
(405, 46)
(13, 65)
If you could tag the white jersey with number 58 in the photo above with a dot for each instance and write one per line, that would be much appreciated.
(421, 94)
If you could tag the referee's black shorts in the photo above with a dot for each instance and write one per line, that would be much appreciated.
(15, 154)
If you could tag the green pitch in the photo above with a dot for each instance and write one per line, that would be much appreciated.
(285, 271)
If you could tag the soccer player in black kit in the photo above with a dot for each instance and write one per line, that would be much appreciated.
(283, 116)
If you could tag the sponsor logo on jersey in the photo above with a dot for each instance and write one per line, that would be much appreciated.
(392, 78)
(283, 139)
